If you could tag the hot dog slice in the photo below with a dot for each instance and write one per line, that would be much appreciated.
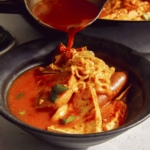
(118, 82)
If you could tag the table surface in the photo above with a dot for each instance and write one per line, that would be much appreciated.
(134, 35)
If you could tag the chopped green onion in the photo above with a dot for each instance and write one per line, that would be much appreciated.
(56, 90)
(53, 97)
(68, 120)
(59, 88)
(19, 96)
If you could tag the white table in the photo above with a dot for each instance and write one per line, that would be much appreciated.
(13, 138)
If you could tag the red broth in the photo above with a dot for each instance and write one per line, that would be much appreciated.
(21, 101)
(69, 16)
(25, 92)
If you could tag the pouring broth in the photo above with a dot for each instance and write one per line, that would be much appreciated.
(69, 16)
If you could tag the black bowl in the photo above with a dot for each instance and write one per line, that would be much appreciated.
(40, 51)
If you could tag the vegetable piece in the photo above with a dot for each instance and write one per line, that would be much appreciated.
(61, 111)
(56, 90)
(19, 95)
(145, 16)
(53, 97)
(59, 88)
(68, 120)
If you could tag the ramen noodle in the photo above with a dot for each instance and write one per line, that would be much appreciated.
(76, 93)
(126, 10)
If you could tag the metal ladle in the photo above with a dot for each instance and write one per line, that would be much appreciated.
(30, 3)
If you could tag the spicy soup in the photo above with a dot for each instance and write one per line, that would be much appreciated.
(68, 97)
(21, 101)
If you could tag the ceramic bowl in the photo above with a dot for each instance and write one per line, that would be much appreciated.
(39, 52)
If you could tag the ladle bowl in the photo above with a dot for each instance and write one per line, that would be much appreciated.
(29, 4)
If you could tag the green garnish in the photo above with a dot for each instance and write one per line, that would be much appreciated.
(56, 90)
(68, 120)
(19, 96)
(53, 97)
(59, 88)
